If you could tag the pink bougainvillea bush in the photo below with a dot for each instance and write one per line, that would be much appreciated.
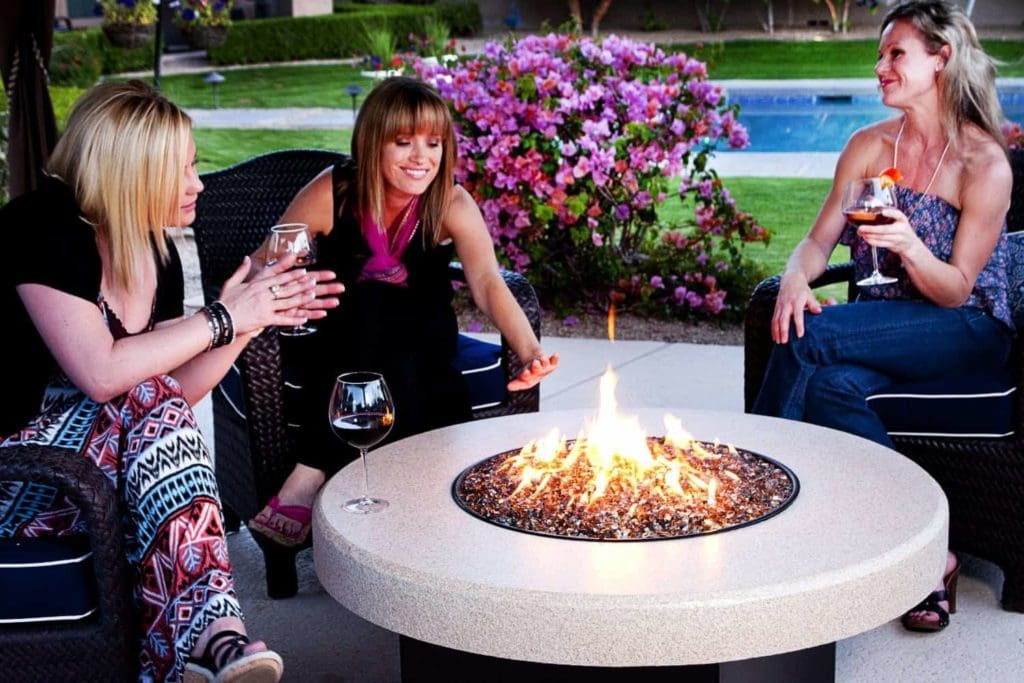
(570, 145)
(1013, 134)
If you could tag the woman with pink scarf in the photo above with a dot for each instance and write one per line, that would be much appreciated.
(389, 224)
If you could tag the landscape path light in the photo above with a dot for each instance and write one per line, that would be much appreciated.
(214, 79)
(354, 91)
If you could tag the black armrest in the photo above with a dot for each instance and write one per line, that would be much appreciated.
(90, 490)
(519, 401)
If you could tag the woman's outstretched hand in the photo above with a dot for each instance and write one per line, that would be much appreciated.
(275, 296)
(537, 369)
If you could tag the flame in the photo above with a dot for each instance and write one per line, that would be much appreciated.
(611, 323)
(613, 458)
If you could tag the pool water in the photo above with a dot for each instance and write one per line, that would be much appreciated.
(805, 122)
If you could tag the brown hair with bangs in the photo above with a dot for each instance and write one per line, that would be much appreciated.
(402, 106)
(122, 153)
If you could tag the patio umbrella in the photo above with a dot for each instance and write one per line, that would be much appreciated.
(26, 38)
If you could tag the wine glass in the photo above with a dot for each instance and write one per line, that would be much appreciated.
(292, 238)
(863, 202)
(362, 413)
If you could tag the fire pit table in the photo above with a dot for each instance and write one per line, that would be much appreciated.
(863, 541)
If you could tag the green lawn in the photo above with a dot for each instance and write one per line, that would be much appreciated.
(323, 85)
(313, 85)
(810, 59)
(786, 206)
(220, 147)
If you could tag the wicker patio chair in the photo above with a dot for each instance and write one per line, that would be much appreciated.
(983, 478)
(103, 646)
(234, 213)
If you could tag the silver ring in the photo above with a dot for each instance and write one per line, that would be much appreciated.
(276, 291)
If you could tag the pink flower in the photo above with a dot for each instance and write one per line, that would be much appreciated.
(568, 145)
(1013, 135)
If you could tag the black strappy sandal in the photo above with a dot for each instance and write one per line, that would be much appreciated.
(224, 661)
(931, 605)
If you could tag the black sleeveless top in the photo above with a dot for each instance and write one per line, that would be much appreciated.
(408, 334)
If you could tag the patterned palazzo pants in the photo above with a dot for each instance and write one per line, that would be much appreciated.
(147, 444)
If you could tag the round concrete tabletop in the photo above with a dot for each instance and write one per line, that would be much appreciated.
(864, 540)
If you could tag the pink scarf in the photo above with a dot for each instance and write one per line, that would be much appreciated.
(384, 264)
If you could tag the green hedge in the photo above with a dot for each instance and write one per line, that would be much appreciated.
(462, 16)
(318, 37)
(112, 59)
(281, 39)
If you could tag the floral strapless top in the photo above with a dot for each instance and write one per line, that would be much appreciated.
(935, 220)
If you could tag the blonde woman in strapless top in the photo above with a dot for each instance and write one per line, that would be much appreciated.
(947, 312)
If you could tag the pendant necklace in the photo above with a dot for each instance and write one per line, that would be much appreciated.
(935, 173)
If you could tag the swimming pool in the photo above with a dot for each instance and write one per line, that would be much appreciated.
(811, 122)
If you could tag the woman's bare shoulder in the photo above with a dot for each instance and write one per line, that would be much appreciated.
(981, 153)
(462, 214)
(314, 204)
(460, 201)
(870, 149)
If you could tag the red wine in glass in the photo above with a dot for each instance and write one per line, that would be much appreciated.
(863, 201)
(361, 413)
(363, 430)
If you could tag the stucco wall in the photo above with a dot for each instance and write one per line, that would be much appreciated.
(740, 14)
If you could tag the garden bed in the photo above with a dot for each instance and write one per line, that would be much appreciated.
(628, 327)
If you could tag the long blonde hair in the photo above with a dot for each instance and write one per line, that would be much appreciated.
(122, 153)
(402, 106)
(967, 82)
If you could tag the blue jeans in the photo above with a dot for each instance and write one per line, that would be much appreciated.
(851, 351)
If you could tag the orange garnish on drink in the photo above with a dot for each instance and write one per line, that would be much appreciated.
(890, 176)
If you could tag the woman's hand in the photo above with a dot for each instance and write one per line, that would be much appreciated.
(533, 372)
(327, 287)
(275, 296)
(898, 236)
(795, 296)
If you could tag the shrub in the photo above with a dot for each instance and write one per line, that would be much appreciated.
(1013, 135)
(340, 35)
(569, 145)
(74, 64)
(462, 16)
(435, 41)
(379, 47)
(112, 59)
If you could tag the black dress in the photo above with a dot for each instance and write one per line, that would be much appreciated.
(408, 334)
